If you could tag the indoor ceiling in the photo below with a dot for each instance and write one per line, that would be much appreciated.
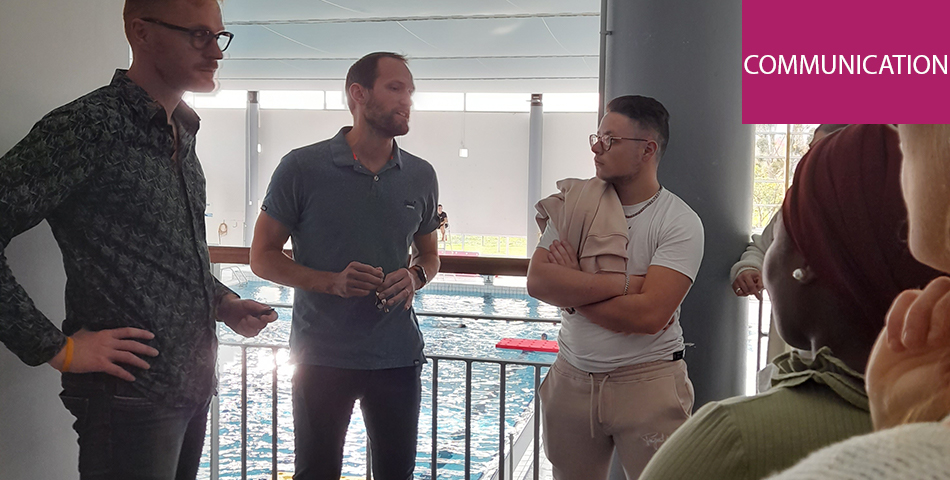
(453, 45)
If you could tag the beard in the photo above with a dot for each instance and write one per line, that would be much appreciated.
(614, 178)
(384, 122)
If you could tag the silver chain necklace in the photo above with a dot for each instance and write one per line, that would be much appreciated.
(638, 212)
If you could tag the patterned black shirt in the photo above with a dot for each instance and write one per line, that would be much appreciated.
(129, 219)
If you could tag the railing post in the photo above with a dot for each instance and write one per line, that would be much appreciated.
(215, 452)
(435, 417)
(215, 441)
(468, 419)
(501, 424)
(243, 412)
(274, 417)
(537, 422)
(758, 341)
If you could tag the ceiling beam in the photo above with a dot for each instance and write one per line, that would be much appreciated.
(340, 79)
(428, 18)
(416, 59)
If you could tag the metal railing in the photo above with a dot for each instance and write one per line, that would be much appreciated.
(762, 335)
(503, 364)
(464, 265)
(435, 360)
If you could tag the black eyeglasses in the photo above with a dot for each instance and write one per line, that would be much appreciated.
(607, 140)
(200, 37)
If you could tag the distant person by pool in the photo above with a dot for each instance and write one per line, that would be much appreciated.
(443, 223)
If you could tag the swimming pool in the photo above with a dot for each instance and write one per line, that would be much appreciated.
(443, 336)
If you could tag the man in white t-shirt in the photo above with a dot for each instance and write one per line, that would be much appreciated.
(619, 381)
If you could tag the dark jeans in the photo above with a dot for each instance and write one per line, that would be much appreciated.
(323, 401)
(123, 435)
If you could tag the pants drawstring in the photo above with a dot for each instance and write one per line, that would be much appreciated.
(600, 401)
(591, 376)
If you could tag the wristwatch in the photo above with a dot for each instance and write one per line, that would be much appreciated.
(420, 273)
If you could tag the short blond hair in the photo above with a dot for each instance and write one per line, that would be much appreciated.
(147, 8)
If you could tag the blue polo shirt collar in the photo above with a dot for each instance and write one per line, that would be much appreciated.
(343, 154)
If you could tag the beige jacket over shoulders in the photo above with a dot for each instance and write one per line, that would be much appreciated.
(588, 215)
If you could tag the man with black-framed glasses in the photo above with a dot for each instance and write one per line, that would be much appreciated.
(618, 254)
(116, 176)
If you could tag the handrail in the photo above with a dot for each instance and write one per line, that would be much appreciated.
(516, 267)
(471, 316)
(501, 473)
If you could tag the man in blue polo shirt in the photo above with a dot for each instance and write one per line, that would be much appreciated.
(353, 206)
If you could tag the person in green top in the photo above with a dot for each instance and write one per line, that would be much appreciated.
(836, 263)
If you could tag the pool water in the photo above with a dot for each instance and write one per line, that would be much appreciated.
(443, 336)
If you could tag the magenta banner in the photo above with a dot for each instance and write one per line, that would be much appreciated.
(845, 61)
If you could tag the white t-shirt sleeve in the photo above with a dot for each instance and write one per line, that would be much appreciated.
(548, 237)
(681, 245)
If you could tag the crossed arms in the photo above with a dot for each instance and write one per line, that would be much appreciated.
(555, 277)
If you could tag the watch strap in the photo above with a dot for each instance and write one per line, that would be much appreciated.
(420, 274)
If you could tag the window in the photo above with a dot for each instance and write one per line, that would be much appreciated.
(438, 102)
(497, 102)
(292, 100)
(570, 102)
(778, 149)
(336, 100)
(219, 99)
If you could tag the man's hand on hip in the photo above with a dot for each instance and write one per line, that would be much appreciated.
(357, 280)
(104, 350)
(397, 287)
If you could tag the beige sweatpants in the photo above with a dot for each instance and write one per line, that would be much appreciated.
(633, 409)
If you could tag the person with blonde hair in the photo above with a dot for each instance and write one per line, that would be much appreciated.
(116, 176)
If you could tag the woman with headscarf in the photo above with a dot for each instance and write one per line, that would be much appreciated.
(836, 263)
(909, 370)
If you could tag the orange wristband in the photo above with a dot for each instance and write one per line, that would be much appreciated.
(69, 355)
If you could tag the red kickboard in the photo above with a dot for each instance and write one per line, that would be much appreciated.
(528, 345)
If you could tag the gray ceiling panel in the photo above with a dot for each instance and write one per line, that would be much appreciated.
(237, 10)
(473, 69)
(448, 41)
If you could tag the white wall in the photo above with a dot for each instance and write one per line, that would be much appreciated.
(51, 52)
(566, 149)
(484, 194)
(284, 130)
(222, 138)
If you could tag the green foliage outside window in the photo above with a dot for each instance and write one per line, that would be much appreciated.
(487, 245)
(778, 149)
